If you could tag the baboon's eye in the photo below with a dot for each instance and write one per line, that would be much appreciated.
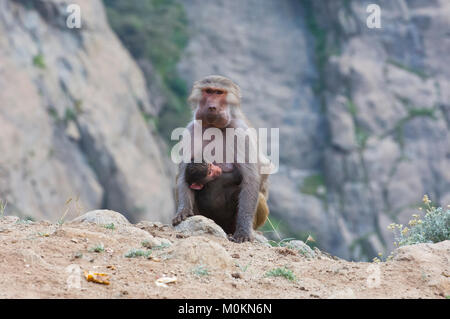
(209, 91)
(219, 92)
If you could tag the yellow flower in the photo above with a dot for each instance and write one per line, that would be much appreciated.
(426, 200)
(405, 230)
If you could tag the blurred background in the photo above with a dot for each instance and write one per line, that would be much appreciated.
(364, 114)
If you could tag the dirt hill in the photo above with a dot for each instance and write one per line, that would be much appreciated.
(45, 260)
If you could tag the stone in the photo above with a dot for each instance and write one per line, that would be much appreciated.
(200, 225)
(102, 217)
(199, 250)
(78, 123)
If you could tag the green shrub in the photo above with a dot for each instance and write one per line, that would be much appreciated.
(97, 249)
(281, 272)
(201, 270)
(433, 227)
(38, 61)
(110, 226)
(134, 253)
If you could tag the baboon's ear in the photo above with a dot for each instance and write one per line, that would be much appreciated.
(196, 186)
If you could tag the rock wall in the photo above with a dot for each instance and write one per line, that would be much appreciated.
(363, 113)
(70, 117)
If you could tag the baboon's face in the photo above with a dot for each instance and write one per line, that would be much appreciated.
(213, 108)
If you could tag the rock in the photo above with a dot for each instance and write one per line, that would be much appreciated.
(433, 260)
(199, 250)
(200, 225)
(102, 217)
(134, 232)
(302, 248)
(76, 116)
(149, 226)
(426, 253)
(342, 128)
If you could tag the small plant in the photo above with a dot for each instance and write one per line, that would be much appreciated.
(3, 205)
(281, 272)
(432, 228)
(271, 229)
(110, 226)
(38, 61)
(243, 268)
(201, 270)
(286, 242)
(281, 243)
(379, 258)
(61, 220)
(134, 253)
(162, 246)
(26, 220)
(97, 249)
(70, 115)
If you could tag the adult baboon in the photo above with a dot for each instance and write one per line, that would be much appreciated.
(217, 104)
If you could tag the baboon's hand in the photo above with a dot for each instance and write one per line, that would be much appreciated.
(182, 215)
(242, 236)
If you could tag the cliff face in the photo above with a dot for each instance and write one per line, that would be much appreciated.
(363, 113)
(387, 97)
(70, 114)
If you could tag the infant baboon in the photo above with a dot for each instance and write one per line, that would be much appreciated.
(224, 193)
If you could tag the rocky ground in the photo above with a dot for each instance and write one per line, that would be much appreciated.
(46, 260)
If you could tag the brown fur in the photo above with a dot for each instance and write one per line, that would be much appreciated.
(221, 200)
(236, 212)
